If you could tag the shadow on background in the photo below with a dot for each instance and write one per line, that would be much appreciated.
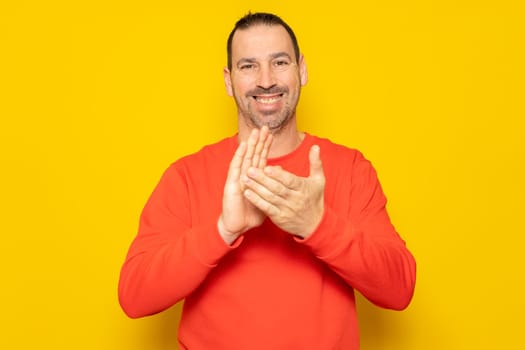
(380, 328)
(162, 332)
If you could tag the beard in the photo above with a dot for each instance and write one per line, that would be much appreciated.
(277, 120)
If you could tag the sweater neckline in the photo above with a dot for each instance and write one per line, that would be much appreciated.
(303, 147)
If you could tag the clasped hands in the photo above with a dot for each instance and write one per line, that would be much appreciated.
(254, 191)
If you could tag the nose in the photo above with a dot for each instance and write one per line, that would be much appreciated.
(265, 76)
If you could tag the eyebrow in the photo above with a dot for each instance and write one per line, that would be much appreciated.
(280, 54)
(246, 60)
(272, 57)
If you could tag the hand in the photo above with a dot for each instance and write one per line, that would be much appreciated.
(293, 203)
(238, 214)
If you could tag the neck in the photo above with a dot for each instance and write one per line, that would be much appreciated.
(284, 141)
(283, 144)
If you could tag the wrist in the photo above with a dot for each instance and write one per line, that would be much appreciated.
(226, 235)
(314, 225)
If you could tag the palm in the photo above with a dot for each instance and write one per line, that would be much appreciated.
(238, 214)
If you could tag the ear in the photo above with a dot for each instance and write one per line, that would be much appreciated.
(303, 72)
(228, 81)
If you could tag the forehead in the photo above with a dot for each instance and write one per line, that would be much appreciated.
(261, 41)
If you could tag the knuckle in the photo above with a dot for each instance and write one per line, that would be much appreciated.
(272, 211)
(282, 191)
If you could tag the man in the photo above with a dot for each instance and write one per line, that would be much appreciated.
(266, 234)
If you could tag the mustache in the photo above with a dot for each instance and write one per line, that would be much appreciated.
(271, 90)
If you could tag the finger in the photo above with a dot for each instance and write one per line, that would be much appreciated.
(287, 179)
(234, 172)
(263, 135)
(316, 165)
(269, 189)
(250, 149)
(266, 150)
(263, 205)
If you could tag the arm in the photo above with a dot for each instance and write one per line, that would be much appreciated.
(171, 255)
(169, 258)
(361, 245)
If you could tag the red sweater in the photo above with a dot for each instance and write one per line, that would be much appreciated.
(270, 290)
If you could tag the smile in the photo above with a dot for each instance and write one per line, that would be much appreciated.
(267, 99)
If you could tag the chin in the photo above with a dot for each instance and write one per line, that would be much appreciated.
(275, 122)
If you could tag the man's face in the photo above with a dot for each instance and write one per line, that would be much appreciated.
(265, 78)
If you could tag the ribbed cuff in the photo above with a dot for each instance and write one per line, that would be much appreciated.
(330, 236)
(208, 245)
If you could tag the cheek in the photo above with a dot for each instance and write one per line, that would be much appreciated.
(293, 81)
(294, 84)
(240, 86)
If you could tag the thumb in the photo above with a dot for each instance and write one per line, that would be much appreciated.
(316, 165)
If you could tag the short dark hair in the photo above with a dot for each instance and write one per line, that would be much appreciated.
(252, 19)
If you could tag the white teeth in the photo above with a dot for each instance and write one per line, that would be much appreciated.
(267, 100)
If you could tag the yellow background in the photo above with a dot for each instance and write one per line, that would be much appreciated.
(97, 98)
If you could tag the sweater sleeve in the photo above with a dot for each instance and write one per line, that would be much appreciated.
(362, 245)
(169, 257)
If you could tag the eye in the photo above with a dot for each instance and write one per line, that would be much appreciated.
(247, 67)
(281, 64)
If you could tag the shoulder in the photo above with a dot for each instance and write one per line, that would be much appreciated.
(346, 165)
(206, 159)
(331, 151)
